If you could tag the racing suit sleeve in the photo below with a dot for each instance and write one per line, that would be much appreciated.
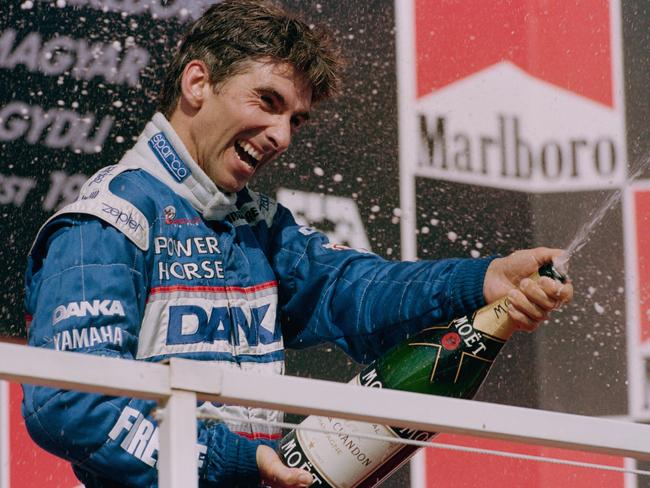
(358, 300)
(86, 287)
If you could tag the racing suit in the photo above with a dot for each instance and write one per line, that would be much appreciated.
(153, 261)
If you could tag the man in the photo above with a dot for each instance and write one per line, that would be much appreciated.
(169, 253)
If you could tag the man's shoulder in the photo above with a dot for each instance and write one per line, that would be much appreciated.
(122, 196)
(129, 182)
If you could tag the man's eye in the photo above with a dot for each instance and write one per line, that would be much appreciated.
(267, 100)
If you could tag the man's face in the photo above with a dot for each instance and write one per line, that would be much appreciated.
(248, 121)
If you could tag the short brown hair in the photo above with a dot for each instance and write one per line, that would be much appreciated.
(235, 31)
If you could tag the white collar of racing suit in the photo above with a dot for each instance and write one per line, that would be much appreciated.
(195, 186)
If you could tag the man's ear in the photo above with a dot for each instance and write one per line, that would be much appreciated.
(195, 83)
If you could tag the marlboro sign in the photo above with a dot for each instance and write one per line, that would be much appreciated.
(522, 95)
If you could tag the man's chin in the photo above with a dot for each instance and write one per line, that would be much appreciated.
(231, 183)
(231, 188)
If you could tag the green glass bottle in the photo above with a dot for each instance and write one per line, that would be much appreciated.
(449, 360)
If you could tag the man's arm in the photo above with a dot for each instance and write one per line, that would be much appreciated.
(366, 304)
(358, 300)
(86, 290)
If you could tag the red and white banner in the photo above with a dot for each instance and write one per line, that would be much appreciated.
(637, 236)
(24, 464)
(522, 95)
(641, 201)
(443, 468)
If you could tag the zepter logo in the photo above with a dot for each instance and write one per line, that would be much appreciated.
(519, 95)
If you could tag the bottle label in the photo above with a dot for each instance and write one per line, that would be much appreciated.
(342, 459)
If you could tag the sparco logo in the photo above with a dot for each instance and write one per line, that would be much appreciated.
(83, 309)
(167, 155)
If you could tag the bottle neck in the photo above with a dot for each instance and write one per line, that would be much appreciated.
(493, 319)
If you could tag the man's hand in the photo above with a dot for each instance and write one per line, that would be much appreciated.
(276, 475)
(530, 301)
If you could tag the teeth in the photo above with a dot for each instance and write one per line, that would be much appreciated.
(250, 150)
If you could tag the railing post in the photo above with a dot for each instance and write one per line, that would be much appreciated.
(177, 455)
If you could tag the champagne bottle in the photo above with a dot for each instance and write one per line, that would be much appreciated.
(450, 360)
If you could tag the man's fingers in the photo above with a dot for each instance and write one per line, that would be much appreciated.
(302, 478)
(521, 303)
(523, 321)
(290, 478)
(545, 255)
(295, 477)
(546, 292)
(542, 293)
(556, 291)
(276, 475)
(565, 293)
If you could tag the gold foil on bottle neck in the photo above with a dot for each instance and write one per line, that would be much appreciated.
(493, 319)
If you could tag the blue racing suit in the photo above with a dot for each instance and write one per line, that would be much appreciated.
(153, 261)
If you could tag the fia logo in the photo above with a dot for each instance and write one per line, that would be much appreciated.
(337, 217)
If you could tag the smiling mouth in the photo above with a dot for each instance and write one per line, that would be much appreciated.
(247, 153)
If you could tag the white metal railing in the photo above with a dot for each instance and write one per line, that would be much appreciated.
(180, 383)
